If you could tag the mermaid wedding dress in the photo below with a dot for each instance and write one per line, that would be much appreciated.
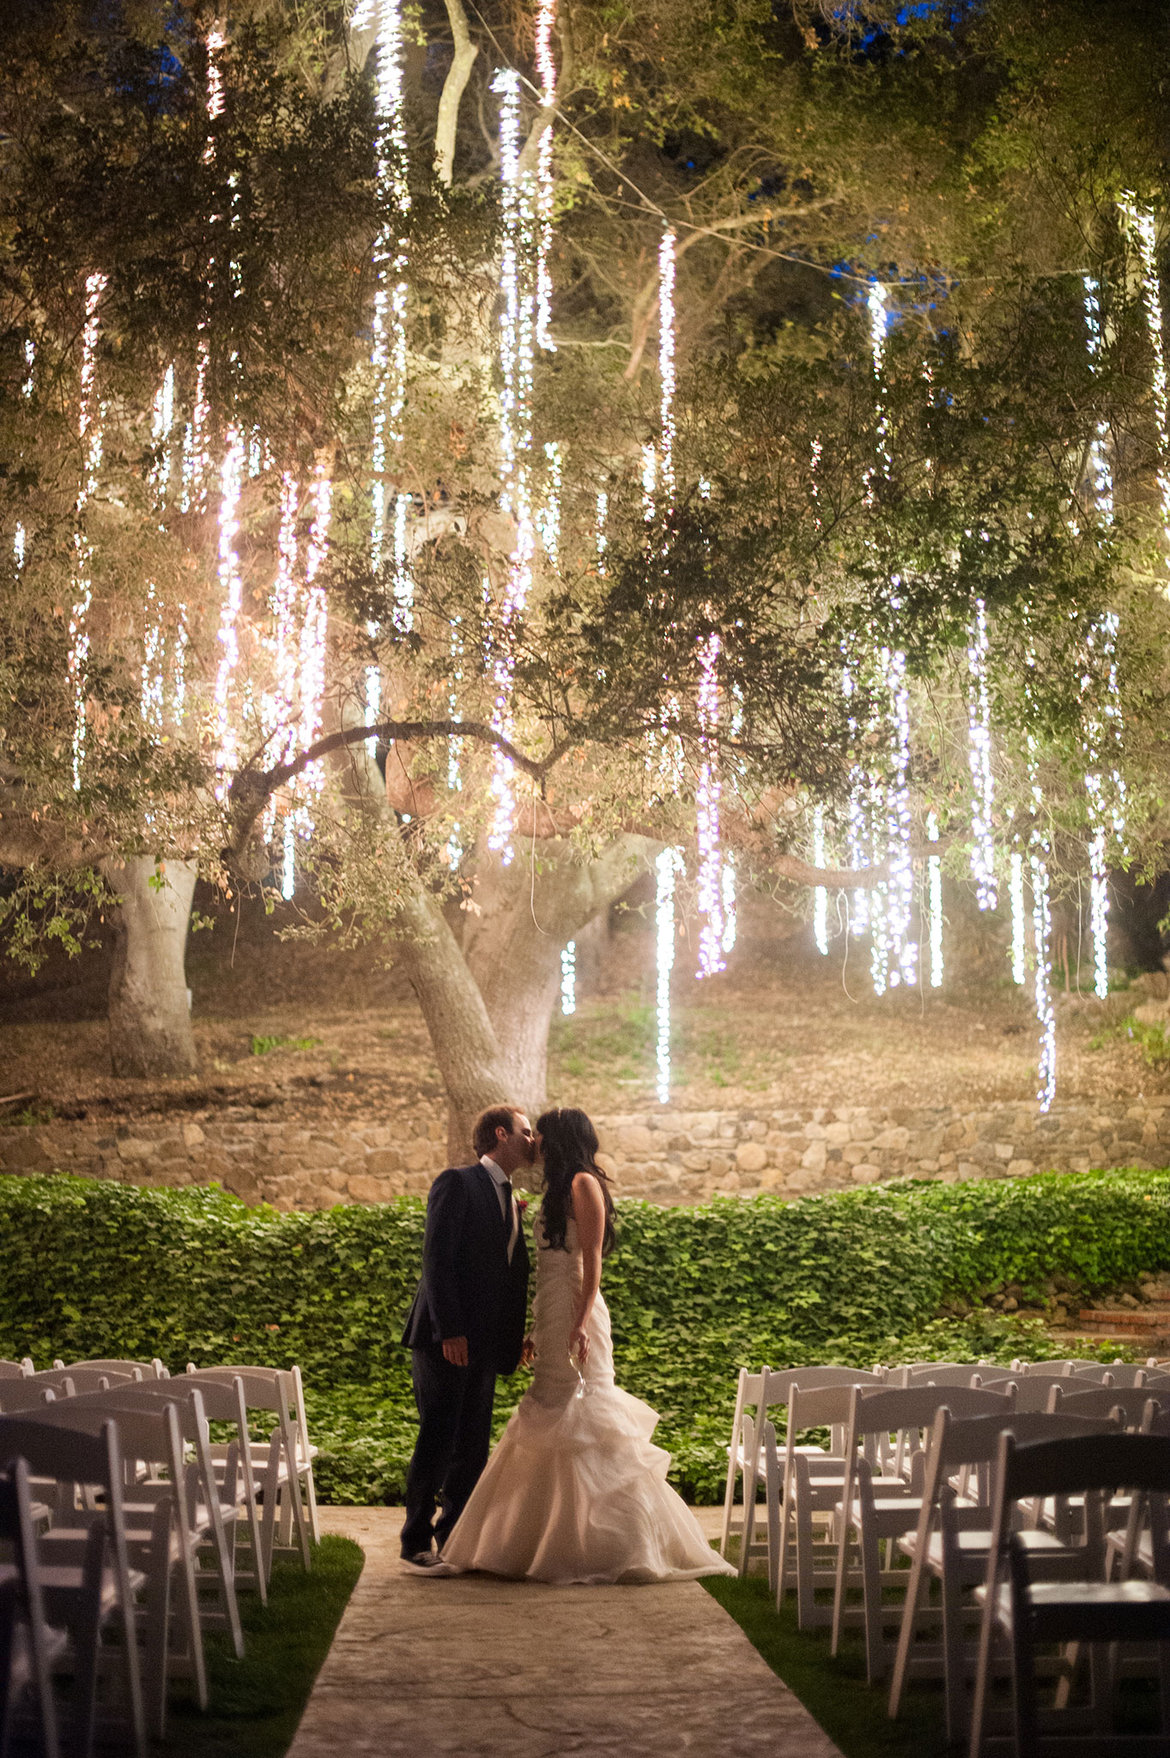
(575, 1491)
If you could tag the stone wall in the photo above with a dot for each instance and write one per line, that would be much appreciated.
(666, 1156)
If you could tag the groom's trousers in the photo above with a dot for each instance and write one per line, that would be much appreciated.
(454, 1438)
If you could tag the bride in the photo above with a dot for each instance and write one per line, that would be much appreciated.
(575, 1491)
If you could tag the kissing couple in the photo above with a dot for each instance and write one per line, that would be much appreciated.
(575, 1490)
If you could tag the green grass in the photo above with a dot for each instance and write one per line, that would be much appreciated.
(834, 1692)
(264, 1046)
(256, 1703)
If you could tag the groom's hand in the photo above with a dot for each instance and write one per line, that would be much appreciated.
(527, 1352)
(455, 1351)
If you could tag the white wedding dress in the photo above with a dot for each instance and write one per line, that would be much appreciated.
(575, 1490)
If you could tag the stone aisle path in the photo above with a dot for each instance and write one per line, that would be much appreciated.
(478, 1668)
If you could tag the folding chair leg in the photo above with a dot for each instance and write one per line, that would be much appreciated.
(750, 1488)
(311, 1503)
(871, 1587)
(842, 1577)
(906, 1633)
(954, 1663)
(1025, 1710)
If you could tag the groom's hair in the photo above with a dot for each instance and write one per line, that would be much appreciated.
(483, 1135)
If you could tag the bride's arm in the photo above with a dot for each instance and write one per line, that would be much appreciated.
(589, 1214)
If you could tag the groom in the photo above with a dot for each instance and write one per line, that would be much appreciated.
(466, 1325)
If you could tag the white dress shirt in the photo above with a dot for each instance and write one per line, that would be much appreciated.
(500, 1179)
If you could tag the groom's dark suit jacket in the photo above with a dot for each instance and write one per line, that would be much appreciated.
(468, 1287)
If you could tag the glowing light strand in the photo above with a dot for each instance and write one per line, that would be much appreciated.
(979, 759)
(820, 892)
(934, 910)
(666, 373)
(231, 586)
(1140, 224)
(455, 745)
(569, 978)
(90, 433)
(667, 868)
(707, 799)
(547, 68)
(549, 517)
(1016, 891)
(517, 331)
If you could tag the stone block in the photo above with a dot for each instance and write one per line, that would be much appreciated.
(895, 1140)
(137, 1147)
(1020, 1168)
(635, 1142)
(24, 1151)
(1005, 1150)
(968, 1169)
(382, 1162)
(697, 1160)
(608, 1164)
(193, 1136)
(813, 1158)
(369, 1190)
(752, 1156)
(864, 1174)
(837, 1134)
(420, 1156)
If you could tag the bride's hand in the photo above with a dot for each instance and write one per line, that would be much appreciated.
(579, 1345)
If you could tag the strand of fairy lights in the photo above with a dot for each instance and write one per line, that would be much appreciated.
(979, 759)
(934, 910)
(196, 463)
(547, 68)
(856, 839)
(284, 622)
(1042, 947)
(820, 892)
(162, 423)
(517, 350)
(667, 867)
(666, 373)
(231, 586)
(549, 516)
(893, 953)
(601, 531)
(1016, 892)
(307, 653)
(569, 978)
(1140, 223)
(1101, 723)
(89, 429)
(708, 793)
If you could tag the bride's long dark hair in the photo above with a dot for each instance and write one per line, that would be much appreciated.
(569, 1145)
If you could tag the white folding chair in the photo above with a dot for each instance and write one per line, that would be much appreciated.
(161, 1539)
(869, 1514)
(1023, 1613)
(92, 1590)
(775, 1390)
(280, 1463)
(135, 1370)
(748, 1388)
(11, 1370)
(951, 1541)
(28, 1643)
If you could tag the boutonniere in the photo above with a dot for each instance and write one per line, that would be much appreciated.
(521, 1203)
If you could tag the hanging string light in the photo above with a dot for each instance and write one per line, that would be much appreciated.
(856, 833)
(517, 338)
(1042, 937)
(569, 978)
(1139, 221)
(1019, 966)
(547, 68)
(286, 641)
(707, 797)
(90, 433)
(979, 760)
(231, 586)
(601, 533)
(934, 905)
(196, 462)
(1100, 469)
(548, 519)
(315, 626)
(820, 892)
(19, 540)
(28, 384)
(667, 868)
(154, 650)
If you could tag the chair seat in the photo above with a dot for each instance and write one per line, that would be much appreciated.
(62, 1583)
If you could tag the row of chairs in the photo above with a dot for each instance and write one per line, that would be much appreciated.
(130, 1532)
(914, 1488)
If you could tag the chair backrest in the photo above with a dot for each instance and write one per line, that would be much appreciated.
(27, 1393)
(975, 1441)
(11, 1370)
(1139, 1462)
(1061, 1365)
(135, 1370)
(884, 1412)
(1101, 1400)
(954, 1374)
(778, 1382)
(71, 1455)
(1032, 1392)
(265, 1388)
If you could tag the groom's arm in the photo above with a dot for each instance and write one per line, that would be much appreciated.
(446, 1216)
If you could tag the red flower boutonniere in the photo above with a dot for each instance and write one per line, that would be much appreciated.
(522, 1203)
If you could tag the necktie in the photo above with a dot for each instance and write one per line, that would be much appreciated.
(511, 1218)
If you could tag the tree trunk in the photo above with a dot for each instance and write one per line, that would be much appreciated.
(149, 1012)
(488, 1004)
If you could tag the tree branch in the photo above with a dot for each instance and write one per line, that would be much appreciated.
(454, 86)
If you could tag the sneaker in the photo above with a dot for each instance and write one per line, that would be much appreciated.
(429, 1563)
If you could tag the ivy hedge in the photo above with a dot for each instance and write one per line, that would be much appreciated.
(89, 1268)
